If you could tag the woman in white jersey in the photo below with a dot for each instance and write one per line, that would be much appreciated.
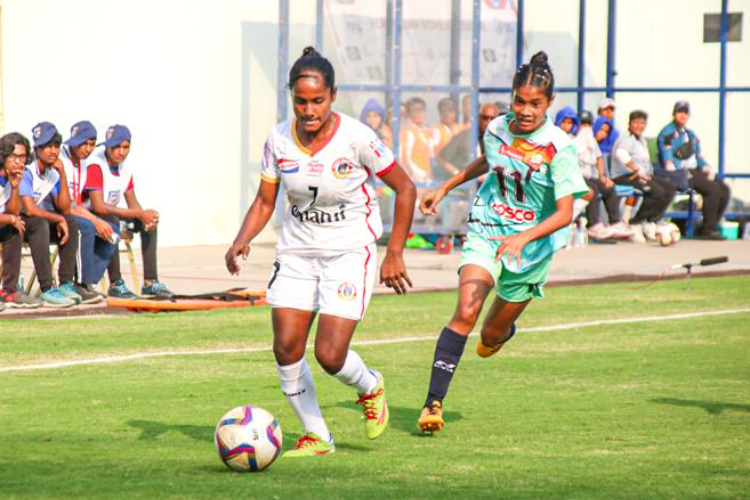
(326, 253)
(528, 197)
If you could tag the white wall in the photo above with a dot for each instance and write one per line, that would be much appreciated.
(168, 69)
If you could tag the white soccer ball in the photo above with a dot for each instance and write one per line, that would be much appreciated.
(248, 439)
(669, 234)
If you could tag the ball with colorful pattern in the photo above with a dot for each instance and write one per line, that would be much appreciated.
(248, 439)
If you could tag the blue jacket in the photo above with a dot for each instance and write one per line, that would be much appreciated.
(677, 145)
(609, 141)
(568, 112)
(372, 105)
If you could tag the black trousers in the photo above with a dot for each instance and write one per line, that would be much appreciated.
(39, 234)
(12, 241)
(610, 199)
(657, 195)
(148, 249)
(716, 195)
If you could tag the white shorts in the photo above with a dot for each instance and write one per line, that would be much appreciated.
(338, 286)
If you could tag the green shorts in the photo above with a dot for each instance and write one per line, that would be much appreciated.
(510, 286)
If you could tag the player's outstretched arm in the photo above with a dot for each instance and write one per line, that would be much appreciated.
(255, 220)
(431, 199)
(393, 270)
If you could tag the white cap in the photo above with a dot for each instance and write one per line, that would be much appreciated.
(607, 102)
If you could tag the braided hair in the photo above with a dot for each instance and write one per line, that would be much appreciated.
(312, 61)
(537, 74)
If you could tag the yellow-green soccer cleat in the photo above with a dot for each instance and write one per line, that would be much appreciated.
(375, 408)
(431, 419)
(485, 351)
(310, 445)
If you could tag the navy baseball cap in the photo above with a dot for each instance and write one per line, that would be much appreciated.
(586, 116)
(80, 133)
(681, 106)
(43, 132)
(116, 135)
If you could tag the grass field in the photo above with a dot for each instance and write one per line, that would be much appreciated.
(656, 409)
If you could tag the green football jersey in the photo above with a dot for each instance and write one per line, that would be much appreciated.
(527, 175)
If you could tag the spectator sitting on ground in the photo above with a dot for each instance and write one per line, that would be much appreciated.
(591, 162)
(15, 153)
(416, 141)
(373, 115)
(443, 132)
(631, 166)
(604, 129)
(680, 149)
(108, 180)
(45, 197)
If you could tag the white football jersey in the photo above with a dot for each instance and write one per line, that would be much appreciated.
(75, 175)
(333, 204)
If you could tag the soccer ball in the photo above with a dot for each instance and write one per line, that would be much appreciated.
(669, 234)
(248, 439)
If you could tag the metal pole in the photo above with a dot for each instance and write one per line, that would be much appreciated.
(396, 89)
(475, 49)
(723, 85)
(611, 47)
(281, 77)
(455, 69)
(319, 24)
(389, 52)
(581, 53)
(519, 34)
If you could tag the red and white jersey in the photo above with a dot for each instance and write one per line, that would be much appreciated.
(75, 173)
(333, 205)
(113, 182)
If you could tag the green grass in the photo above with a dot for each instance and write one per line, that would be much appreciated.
(647, 410)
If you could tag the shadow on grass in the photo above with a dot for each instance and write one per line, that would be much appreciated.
(711, 407)
(151, 430)
(403, 418)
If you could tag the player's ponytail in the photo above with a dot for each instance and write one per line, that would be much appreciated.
(310, 62)
(537, 74)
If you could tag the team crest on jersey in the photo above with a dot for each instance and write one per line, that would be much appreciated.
(315, 168)
(288, 166)
(529, 153)
(378, 148)
(347, 291)
(342, 168)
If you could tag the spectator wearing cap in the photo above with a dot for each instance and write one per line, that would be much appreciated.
(45, 197)
(109, 180)
(97, 236)
(591, 163)
(373, 115)
(631, 166)
(680, 149)
(604, 128)
(15, 153)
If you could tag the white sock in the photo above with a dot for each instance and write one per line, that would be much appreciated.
(579, 206)
(356, 374)
(299, 388)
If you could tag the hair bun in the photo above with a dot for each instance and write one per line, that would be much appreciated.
(539, 59)
(310, 51)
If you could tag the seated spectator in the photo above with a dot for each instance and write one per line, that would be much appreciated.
(108, 181)
(443, 132)
(45, 197)
(591, 162)
(15, 153)
(680, 150)
(97, 241)
(373, 115)
(604, 129)
(567, 120)
(631, 166)
(458, 153)
(416, 141)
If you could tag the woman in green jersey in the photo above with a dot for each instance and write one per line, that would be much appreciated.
(519, 219)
